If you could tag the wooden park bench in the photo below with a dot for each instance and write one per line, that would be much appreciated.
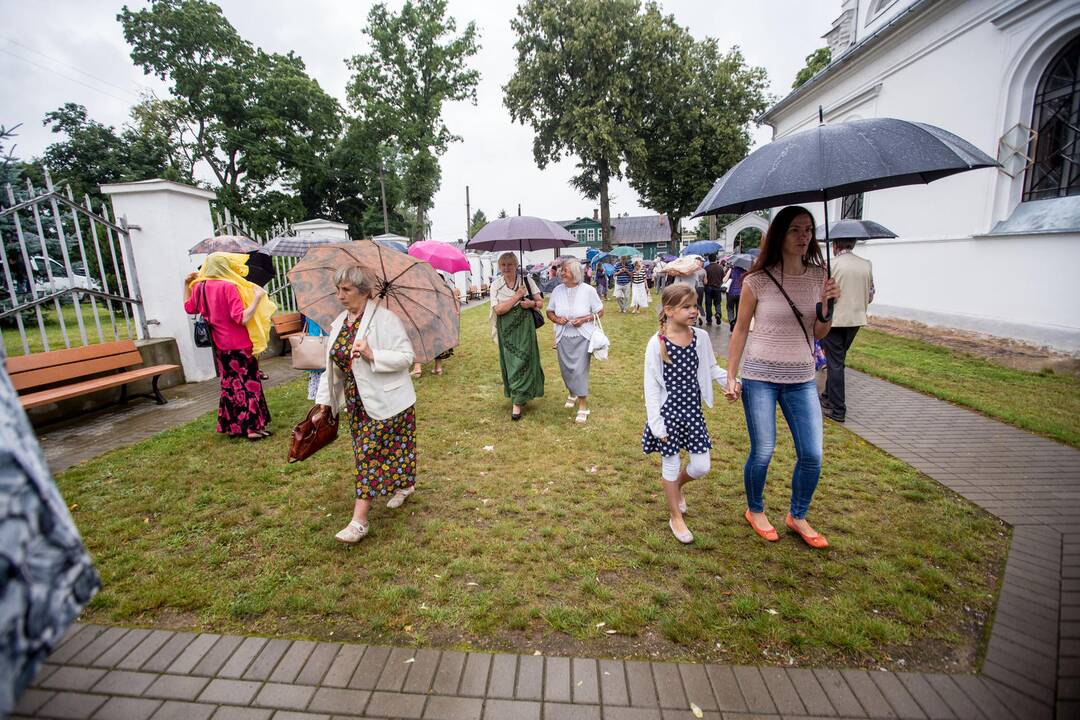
(63, 374)
(285, 325)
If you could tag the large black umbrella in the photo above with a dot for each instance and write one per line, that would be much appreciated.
(831, 161)
(851, 229)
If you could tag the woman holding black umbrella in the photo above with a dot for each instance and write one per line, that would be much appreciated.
(777, 364)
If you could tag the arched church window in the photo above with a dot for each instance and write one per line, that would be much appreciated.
(1055, 171)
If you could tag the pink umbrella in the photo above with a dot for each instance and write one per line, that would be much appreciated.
(440, 255)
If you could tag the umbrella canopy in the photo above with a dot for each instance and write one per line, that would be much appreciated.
(296, 245)
(408, 287)
(667, 258)
(702, 247)
(225, 243)
(608, 268)
(624, 251)
(743, 260)
(440, 255)
(260, 267)
(753, 252)
(599, 257)
(854, 230)
(521, 233)
(591, 254)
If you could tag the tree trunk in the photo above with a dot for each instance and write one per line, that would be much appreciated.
(418, 229)
(673, 246)
(605, 210)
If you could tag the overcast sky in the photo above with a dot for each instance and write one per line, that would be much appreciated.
(58, 51)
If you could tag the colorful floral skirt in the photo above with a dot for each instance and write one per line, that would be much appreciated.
(242, 408)
(384, 451)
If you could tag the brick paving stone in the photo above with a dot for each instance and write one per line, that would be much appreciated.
(613, 690)
(344, 665)
(395, 705)
(371, 665)
(238, 662)
(442, 707)
(230, 692)
(175, 710)
(217, 656)
(294, 715)
(421, 671)
(144, 650)
(393, 675)
(669, 689)
(1009, 677)
(73, 645)
(177, 687)
(754, 690)
(284, 696)
(292, 662)
(810, 692)
(448, 674)
(44, 671)
(186, 661)
(629, 713)
(267, 659)
(474, 677)
(981, 697)
(31, 700)
(729, 697)
(511, 710)
(1022, 661)
(100, 644)
(168, 652)
(561, 711)
(1021, 705)
(318, 663)
(557, 680)
(229, 712)
(71, 705)
(120, 648)
(125, 708)
(897, 695)
(530, 679)
(868, 694)
(959, 703)
(73, 678)
(640, 684)
(503, 676)
(840, 694)
(585, 683)
(339, 700)
(784, 695)
(930, 702)
(696, 684)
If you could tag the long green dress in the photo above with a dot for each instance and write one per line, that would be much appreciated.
(519, 356)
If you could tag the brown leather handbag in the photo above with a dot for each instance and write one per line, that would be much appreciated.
(312, 435)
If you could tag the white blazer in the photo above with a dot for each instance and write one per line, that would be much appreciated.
(656, 392)
(384, 384)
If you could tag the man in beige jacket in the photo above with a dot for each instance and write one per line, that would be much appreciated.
(856, 280)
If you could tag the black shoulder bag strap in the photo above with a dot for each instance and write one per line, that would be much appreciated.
(791, 304)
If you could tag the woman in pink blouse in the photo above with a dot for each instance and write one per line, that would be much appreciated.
(780, 294)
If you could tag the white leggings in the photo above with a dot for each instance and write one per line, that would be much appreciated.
(696, 468)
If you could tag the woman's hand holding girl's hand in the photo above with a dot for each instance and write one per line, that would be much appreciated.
(733, 389)
(830, 291)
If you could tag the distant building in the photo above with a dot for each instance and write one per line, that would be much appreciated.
(649, 234)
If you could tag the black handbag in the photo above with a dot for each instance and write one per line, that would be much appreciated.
(538, 317)
(203, 338)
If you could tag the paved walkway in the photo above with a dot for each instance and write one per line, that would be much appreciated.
(1032, 667)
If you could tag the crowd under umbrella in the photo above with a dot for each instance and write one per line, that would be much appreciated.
(295, 245)
(410, 288)
(225, 243)
(851, 229)
(521, 233)
(833, 161)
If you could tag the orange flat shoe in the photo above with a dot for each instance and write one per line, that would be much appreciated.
(770, 535)
(815, 541)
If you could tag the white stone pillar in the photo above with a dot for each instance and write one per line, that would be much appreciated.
(170, 218)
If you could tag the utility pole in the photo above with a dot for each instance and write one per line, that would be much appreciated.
(519, 209)
(468, 217)
(382, 188)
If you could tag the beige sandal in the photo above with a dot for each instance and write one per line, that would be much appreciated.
(398, 498)
(570, 402)
(354, 532)
(582, 416)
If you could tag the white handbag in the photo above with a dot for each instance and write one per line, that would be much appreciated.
(308, 352)
(598, 341)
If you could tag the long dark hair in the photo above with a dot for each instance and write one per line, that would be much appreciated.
(772, 250)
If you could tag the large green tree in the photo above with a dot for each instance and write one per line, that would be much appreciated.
(573, 83)
(697, 104)
(256, 119)
(815, 63)
(417, 63)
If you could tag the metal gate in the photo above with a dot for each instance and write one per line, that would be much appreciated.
(66, 267)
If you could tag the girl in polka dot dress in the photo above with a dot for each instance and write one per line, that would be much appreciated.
(680, 368)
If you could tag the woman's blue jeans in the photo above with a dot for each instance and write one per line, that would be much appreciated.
(802, 410)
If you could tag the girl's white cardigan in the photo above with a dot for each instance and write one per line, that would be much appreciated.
(656, 393)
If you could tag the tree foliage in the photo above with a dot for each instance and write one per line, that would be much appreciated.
(478, 220)
(815, 63)
(417, 63)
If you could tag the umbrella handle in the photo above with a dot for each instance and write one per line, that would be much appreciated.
(827, 316)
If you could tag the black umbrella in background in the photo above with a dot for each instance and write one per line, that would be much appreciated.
(831, 161)
(260, 268)
(851, 229)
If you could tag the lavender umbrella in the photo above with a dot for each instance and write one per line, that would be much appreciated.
(521, 233)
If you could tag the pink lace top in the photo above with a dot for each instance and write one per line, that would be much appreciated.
(777, 350)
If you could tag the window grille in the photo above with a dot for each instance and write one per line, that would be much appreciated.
(1055, 171)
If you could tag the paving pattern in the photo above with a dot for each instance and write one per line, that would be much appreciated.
(1031, 670)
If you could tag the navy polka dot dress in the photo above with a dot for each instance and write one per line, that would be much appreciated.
(682, 409)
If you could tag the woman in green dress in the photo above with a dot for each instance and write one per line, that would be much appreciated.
(513, 299)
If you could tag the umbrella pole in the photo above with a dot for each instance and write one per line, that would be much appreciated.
(826, 316)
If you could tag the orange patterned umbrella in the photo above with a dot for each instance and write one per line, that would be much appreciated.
(408, 287)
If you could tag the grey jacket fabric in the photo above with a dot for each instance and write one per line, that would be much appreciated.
(47, 575)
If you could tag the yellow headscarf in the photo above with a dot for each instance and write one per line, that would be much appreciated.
(232, 267)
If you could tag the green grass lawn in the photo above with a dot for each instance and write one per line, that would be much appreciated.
(56, 337)
(1044, 403)
(539, 535)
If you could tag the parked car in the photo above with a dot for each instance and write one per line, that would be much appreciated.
(79, 278)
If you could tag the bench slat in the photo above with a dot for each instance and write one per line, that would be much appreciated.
(36, 361)
(45, 397)
(73, 371)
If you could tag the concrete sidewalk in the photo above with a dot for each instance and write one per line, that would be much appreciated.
(1032, 666)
